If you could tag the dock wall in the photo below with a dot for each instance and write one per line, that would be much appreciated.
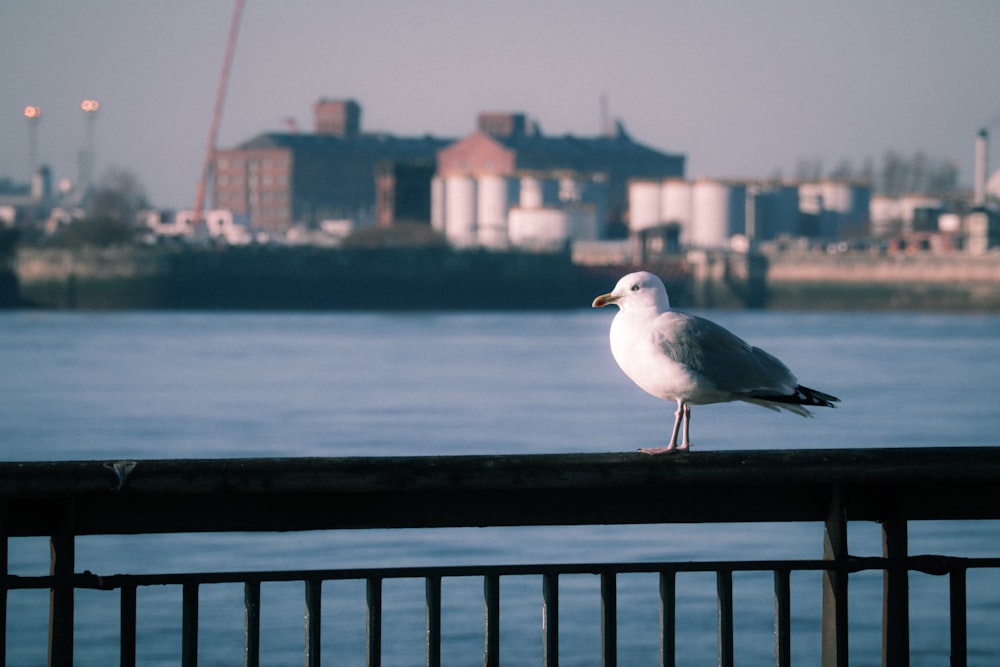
(857, 281)
(400, 278)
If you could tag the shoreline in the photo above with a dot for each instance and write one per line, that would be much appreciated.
(304, 278)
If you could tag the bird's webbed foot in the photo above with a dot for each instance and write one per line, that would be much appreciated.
(653, 451)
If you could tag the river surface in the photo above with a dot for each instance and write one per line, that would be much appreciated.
(189, 385)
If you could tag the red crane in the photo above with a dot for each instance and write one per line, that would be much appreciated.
(220, 96)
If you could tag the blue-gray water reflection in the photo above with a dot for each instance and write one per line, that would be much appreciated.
(167, 385)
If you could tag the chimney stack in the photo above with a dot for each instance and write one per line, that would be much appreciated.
(980, 175)
(341, 118)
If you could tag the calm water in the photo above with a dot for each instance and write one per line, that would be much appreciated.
(160, 385)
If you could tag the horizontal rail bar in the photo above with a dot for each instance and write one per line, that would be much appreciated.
(934, 565)
(214, 495)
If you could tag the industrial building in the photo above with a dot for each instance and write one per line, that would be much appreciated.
(278, 179)
(508, 184)
(505, 184)
(708, 213)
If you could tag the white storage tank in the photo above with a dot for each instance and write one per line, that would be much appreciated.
(493, 201)
(531, 192)
(676, 206)
(718, 212)
(643, 205)
(539, 228)
(539, 192)
(460, 210)
(551, 228)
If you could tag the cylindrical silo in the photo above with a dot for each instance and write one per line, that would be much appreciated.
(531, 192)
(495, 195)
(718, 212)
(538, 228)
(643, 205)
(460, 210)
(675, 206)
(539, 192)
(491, 201)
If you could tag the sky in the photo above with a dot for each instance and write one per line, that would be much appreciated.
(743, 89)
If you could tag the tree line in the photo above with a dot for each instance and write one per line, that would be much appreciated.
(897, 173)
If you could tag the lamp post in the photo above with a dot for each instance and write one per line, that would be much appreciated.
(89, 108)
(34, 115)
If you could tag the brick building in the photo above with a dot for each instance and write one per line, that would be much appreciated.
(278, 179)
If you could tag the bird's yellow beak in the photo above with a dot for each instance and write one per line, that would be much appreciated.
(604, 300)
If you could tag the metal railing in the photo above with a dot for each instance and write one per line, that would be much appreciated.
(65, 499)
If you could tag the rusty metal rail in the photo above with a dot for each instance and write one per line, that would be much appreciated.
(65, 499)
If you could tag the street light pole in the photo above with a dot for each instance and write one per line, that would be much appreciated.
(34, 115)
(89, 108)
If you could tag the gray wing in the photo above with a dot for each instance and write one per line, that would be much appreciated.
(726, 360)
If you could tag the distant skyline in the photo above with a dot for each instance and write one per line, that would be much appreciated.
(744, 90)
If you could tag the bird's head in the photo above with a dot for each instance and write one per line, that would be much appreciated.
(636, 290)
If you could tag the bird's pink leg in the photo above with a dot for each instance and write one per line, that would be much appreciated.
(686, 440)
(682, 410)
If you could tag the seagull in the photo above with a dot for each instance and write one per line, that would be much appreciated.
(694, 361)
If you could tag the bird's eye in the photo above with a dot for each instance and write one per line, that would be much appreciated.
(635, 288)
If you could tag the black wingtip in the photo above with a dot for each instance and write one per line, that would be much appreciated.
(805, 396)
(814, 397)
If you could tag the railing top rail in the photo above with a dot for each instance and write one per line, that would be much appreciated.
(934, 565)
(269, 494)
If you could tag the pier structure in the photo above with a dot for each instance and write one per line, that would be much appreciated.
(64, 500)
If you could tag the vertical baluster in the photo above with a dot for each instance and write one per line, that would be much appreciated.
(373, 640)
(432, 650)
(314, 621)
(63, 555)
(127, 622)
(835, 583)
(895, 595)
(550, 619)
(491, 621)
(957, 588)
(251, 623)
(668, 618)
(609, 619)
(724, 586)
(3, 584)
(782, 619)
(189, 642)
